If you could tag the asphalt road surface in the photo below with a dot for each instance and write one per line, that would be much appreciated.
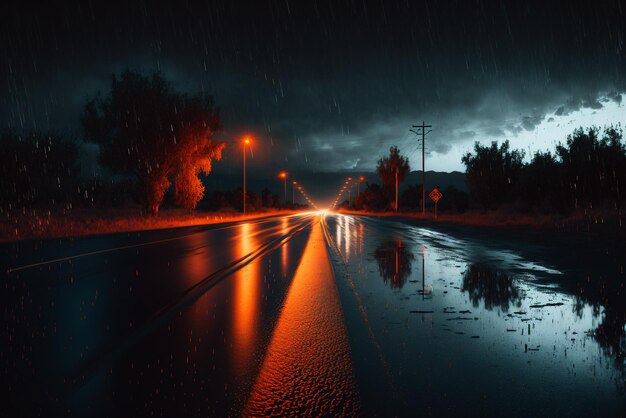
(312, 314)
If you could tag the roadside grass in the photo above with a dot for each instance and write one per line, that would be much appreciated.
(39, 223)
(609, 221)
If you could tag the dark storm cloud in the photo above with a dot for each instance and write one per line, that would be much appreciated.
(324, 85)
(530, 122)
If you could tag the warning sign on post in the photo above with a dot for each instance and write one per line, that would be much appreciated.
(435, 195)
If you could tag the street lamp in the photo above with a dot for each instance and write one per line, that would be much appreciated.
(283, 175)
(293, 188)
(361, 179)
(246, 141)
(396, 189)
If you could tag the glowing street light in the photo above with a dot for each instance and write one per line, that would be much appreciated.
(361, 179)
(396, 189)
(246, 141)
(293, 202)
(283, 175)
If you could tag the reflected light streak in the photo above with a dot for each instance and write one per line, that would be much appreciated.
(338, 231)
(245, 301)
(347, 237)
(284, 250)
(360, 241)
(307, 369)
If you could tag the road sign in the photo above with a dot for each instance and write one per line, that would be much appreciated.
(435, 195)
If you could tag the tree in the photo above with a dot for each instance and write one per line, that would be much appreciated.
(453, 199)
(594, 166)
(541, 184)
(147, 130)
(387, 168)
(372, 198)
(411, 197)
(492, 173)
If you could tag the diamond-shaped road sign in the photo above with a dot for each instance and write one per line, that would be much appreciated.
(435, 195)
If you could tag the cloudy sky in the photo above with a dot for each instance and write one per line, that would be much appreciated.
(330, 85)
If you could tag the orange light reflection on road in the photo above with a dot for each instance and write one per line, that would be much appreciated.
(307, 369)
(360, 240)
(284, 250)
(338, 231)
(245, 301)
(346, 226)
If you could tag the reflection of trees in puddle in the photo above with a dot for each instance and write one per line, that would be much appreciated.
(611, 333)
(495, 288)
(394, 262)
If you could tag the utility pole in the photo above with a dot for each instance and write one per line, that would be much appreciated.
(421, 130)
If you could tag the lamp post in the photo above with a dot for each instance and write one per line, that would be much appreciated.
(246, 141)
(293, 195)
(396, 189)
(283, 175)
(361, 179)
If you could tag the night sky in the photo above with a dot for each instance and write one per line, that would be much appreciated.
(329, 85)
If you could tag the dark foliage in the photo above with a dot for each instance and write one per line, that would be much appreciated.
(493, 173)
(146, 130)
(372, 198)
(453, 200)
(411, 198)
(387, 168)
(593, 166)
(233, 200)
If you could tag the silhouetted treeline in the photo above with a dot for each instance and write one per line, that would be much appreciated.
(374, 198)
(380, 198)
(587, 171)
(233, 199)
(42, 171)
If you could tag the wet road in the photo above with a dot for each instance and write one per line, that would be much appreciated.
(451, 324)
(332, 315)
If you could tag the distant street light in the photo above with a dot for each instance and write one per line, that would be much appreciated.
(283, 175)
(293, 188)
(396, 189)
(246, 141)
(361, 179)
